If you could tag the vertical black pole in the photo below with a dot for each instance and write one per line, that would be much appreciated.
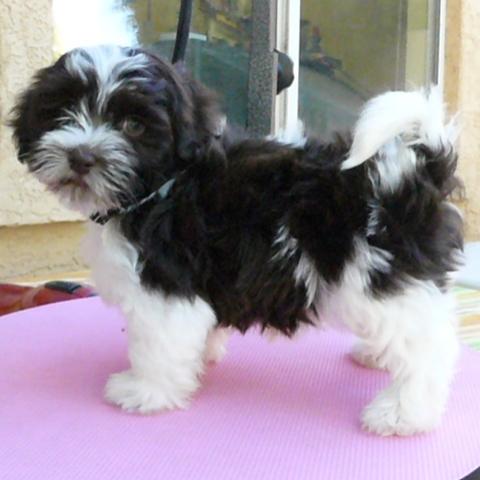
(183, 30)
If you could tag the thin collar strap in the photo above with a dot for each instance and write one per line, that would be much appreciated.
(161, 193)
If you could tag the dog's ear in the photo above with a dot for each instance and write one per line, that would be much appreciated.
(193, 109)
(23, 116)
(19, 121)
(197, 115)
(31, 113)
(187, 133)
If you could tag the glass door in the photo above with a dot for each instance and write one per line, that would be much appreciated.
(344, 52)
(351, 50)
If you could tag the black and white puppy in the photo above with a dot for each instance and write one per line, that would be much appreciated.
(192, 232)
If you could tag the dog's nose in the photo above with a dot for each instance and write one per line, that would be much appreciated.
(81, 160)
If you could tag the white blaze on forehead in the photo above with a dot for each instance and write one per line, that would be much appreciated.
(108, 64)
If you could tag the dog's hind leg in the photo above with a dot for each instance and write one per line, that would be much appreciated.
(411, 335)
(167, 338)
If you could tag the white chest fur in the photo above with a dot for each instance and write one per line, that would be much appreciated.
(114, 263)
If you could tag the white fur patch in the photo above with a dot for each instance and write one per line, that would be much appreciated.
(417, 117)
(305, 272)
(373, 222)
(108, 63)
(396, 161)
(367, 260)
(284, 244)
(410, 334)
(167, 336)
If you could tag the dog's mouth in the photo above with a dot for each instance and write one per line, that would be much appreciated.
(82, 193)
(74, 183)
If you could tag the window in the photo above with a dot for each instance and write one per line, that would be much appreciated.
(218, 49)
(351, 50)
(344, 53)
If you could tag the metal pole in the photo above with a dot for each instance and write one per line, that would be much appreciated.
(262, 75)
(183, 31)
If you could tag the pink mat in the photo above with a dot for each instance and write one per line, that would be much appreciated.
(287, 410)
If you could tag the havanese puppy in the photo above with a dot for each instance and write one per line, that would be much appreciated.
(192, 233)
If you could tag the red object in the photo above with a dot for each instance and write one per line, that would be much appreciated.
(17, 297)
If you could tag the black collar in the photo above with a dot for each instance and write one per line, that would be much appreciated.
(161, 193)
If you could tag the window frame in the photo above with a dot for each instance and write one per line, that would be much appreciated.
(286, 109)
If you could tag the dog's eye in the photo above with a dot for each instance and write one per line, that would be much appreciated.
(133, 127)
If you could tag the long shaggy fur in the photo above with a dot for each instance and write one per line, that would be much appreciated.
(357, 231)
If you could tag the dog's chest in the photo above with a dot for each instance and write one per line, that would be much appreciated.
(113, 262)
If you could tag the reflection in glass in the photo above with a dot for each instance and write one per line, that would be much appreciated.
(351, 50)
(218, 49)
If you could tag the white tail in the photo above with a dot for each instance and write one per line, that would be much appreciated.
(417, 116)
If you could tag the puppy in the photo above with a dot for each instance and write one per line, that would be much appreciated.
(192, 232)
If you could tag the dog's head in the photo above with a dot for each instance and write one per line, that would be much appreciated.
(106, 125)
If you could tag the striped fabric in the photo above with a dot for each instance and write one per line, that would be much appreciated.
(468, 307)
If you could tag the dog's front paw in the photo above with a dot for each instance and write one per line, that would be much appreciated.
(137, 394)
(365, 357)
(389, 414)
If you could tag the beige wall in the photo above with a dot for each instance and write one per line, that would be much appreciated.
(26, 37)
(462, 88)
(44, 251)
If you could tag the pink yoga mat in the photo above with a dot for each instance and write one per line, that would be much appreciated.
(270, 411)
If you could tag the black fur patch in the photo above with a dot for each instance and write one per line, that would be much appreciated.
(219, 239)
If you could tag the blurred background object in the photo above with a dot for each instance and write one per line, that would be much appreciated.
(218, 48)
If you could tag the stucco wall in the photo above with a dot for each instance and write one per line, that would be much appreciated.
(28, 251)
(462, 88)
(45, 251)
(26, 38)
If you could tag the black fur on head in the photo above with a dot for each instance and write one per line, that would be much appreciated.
(105, 125)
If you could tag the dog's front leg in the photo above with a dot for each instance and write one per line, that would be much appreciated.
(167, 338)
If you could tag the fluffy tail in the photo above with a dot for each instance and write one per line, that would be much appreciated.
(416, 117)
